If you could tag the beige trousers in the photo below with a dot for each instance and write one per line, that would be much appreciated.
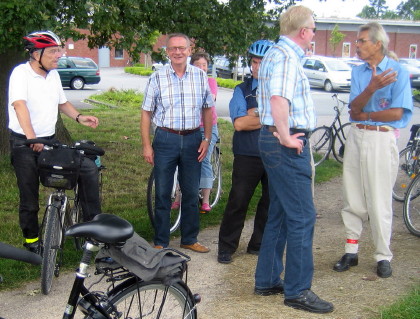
(369, 173)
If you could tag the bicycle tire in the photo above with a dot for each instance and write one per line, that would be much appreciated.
(340, 141)
(146, 299)
(217, 176)
(411, 208)
(405, 175)
(321, 143)
(51, 240)
(175, 215)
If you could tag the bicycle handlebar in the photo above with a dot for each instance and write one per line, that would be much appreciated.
(87, 148)
(10, 252)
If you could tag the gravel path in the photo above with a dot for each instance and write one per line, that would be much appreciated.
(227, 290)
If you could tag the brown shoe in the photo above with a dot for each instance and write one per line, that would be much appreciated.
(197, 247)
(158, 247)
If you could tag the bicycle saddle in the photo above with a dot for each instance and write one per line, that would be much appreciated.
(105, 228)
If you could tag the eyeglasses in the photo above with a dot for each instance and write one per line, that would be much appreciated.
(174, 49)
(54, 51)
(313, 29)
(362, 41)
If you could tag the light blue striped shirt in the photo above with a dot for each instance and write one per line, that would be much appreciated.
(281, 73)
(177, 102)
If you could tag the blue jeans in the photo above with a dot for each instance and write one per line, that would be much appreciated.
(206, 179)
(172, 150)
(291, 218)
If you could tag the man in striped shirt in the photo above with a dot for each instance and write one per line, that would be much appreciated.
(287, 116)
(176, 98)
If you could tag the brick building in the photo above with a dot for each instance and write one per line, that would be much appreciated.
(404, 41)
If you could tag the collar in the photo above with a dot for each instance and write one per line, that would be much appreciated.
(254, 83)
(31, 70)
(187, 69)
(382, 66)
(297, 49)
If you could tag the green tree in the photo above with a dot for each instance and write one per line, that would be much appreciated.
(336, 38)
(409, 10)
(376, 9)
(219, 27)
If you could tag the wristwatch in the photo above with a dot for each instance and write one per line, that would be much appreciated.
(206, 139)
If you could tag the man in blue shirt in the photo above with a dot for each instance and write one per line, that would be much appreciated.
(287, 116)
(380, 104)
(176, 98)
(248, 169)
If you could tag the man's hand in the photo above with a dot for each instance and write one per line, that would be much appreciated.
(358, 116)
(37, 147)
(88, 120)
(378, 81)
(202, 150)
(292, 141)
(148, 154)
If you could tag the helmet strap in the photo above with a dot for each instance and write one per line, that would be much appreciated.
(39, 62)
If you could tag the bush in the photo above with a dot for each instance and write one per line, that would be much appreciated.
(227, 83)
(138, 70)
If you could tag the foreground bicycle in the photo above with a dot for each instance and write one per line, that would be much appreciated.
(128, 295)
(59, 166)
(326, 138)
(215, 193)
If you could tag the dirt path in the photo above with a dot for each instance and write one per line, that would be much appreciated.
(227, 290)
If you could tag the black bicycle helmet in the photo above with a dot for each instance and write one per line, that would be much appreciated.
(259, 48)
(40, 40)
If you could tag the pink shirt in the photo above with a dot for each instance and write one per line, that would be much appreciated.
(213, 89)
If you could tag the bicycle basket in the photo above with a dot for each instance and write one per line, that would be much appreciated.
(59, 168)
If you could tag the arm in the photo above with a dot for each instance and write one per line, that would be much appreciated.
(280, 113)
(87, 120)
(388, 115)
(208, 122)
(24, 119)
(376, 82)
(249, 122)
(148, 154)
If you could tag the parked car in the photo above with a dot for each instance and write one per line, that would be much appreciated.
(328, 73)
(75, 72)
(412, 62)
(352, 62)
(224, 70)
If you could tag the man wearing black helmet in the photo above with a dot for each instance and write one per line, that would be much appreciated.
(35, 97)
(248, 170)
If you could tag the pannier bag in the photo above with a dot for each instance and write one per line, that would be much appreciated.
(59, 168)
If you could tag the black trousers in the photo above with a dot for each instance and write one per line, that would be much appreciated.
(24, 161)
(248, 172)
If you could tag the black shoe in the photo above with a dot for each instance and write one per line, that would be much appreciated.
(224, 258)
(309, 301)
(384, 269)
(269, 291)
(32, 247)
(253, 251)
(347, 261)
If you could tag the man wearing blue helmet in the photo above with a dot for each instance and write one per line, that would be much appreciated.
(248, 169)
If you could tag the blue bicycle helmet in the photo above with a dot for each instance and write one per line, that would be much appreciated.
(259, 48)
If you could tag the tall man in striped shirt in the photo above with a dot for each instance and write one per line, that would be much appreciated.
(176, 98)
(287, 116)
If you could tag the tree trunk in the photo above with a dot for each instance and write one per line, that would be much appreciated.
(10, 59)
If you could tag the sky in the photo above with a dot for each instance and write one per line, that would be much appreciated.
(342, 9)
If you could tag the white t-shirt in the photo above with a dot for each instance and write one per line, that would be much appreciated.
(42, 96)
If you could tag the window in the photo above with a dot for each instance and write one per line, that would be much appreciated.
(413, 51)
(119, 53)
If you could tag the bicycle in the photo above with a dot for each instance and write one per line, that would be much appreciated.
(175, 218)
(408, 167)
(323, 139)
(127, 295)
(59, 166)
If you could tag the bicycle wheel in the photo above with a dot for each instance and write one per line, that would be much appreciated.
(340, 141)
(411, 209)
(51, 240)
(152, 299)
(175, 214)
(321, 143)
(406, 173)
(217, 176)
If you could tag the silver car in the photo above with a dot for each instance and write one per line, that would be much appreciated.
(328, 73)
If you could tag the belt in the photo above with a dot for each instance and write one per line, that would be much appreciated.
(184, 132)
(373, 128)
(272, 129)
(24, 136)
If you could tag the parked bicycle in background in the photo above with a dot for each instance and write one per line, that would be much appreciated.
(325, 139)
